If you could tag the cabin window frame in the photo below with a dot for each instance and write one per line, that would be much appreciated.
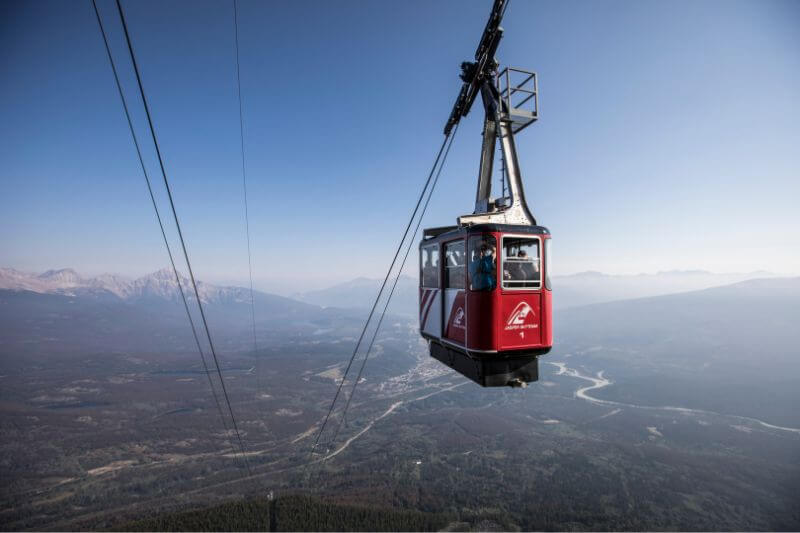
(502, 259)
(474, 237)
(447, 268)
(422, 253)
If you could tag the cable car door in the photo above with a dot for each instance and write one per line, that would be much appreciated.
(430, 296)
(455, 304)
(481, 291)
(521, 308)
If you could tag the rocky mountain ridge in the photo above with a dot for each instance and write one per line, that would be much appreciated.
(159, 285)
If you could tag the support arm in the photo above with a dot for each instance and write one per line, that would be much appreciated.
(495, 128)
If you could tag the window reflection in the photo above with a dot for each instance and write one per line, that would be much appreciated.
(454, 265)
(521, 262)
(429, 266)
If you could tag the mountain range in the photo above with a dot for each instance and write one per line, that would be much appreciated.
(160, 285)
(360, 293)
(574, 290)
(595, 287)
(60, 311)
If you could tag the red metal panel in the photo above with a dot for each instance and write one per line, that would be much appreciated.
(520, 320)
(547, 318)
(481, 320)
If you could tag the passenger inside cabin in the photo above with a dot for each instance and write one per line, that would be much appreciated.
(520, 267)
(512, 270)
(483, 268)
(529, 270)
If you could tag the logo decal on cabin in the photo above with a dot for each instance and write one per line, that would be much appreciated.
(458, 319)
(519, 316)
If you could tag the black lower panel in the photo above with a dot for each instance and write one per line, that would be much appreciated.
(490, 370)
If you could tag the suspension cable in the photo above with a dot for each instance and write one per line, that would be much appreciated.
(244, 182)
(180, 233)
(377, 298)
(246, 213)
(394, 285)
(158, 218)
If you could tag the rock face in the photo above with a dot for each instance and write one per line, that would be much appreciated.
(159, 285)
(62, 312)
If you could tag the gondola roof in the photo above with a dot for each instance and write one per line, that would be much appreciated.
(448, 231)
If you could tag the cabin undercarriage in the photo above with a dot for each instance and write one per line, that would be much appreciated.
(490, 370)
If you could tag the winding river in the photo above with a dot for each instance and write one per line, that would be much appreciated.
(599, 381)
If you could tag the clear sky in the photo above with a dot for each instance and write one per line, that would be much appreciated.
(669, 135)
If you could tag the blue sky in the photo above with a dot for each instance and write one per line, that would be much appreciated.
(668, 136)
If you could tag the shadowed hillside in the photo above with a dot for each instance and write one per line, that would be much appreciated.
(291, 513)
(731, 349)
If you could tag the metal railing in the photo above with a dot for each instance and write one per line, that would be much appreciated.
(525, 110)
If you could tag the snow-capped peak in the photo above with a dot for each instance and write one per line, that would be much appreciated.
(65, 277)
(160, 284)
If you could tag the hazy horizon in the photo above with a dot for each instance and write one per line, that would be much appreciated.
(285, 288)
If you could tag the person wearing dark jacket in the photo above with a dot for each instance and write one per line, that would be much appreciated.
(482, 270)
(529, 271)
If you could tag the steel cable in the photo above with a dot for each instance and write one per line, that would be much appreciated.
(377, 298)
(394, 285)
(180, 233)
(158, 216)
(244, 183)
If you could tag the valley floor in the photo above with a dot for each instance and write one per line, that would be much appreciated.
(118, 438)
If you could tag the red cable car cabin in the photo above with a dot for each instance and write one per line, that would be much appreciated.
(485, 300)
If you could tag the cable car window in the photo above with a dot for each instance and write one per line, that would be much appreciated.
(547, 263)
(429, 266)
(482, 263)
(521, 263)
(454, 272)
